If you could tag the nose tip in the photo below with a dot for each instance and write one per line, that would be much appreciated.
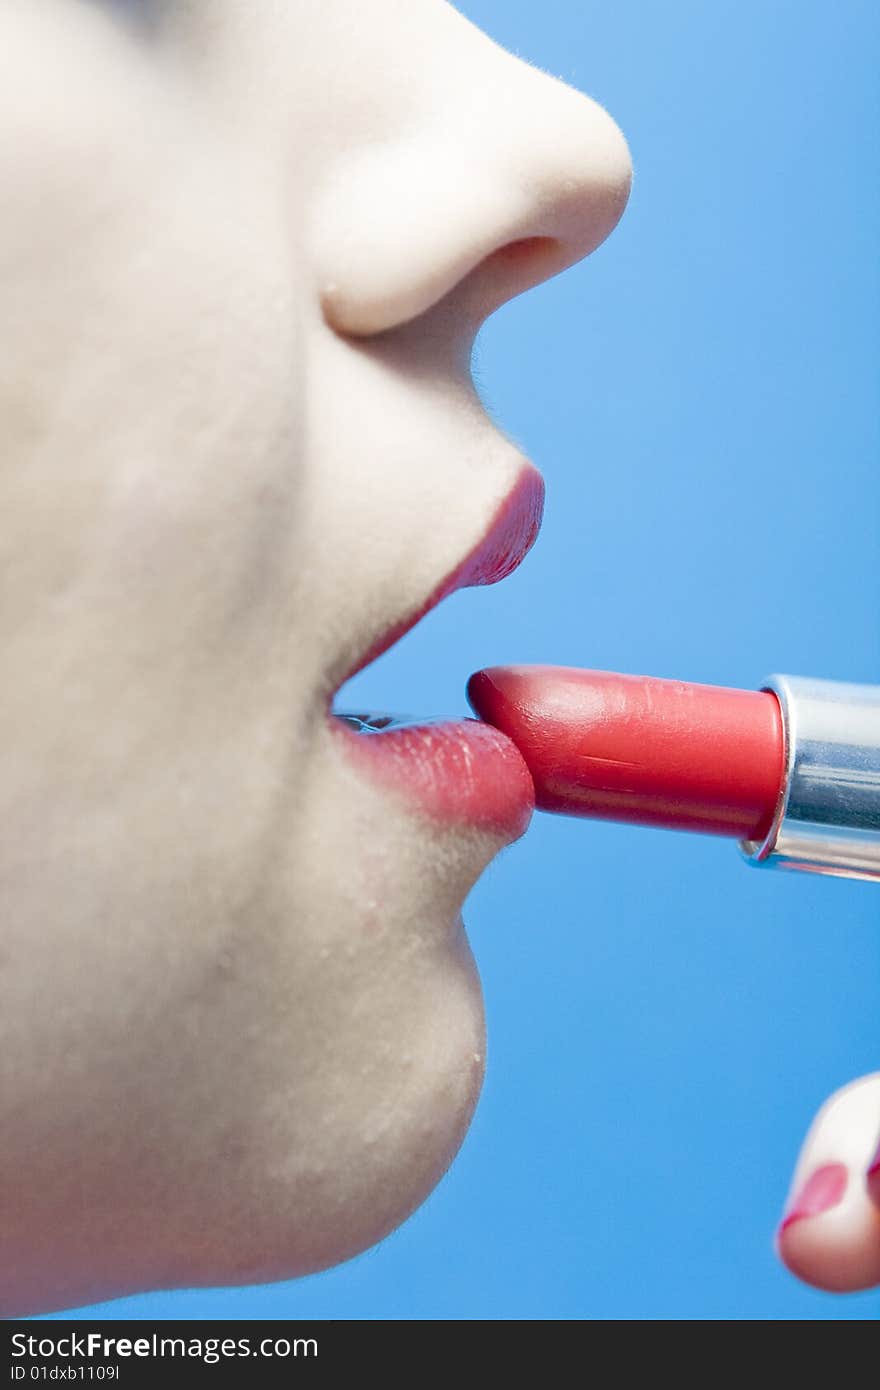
(576, 185)
(589, 173)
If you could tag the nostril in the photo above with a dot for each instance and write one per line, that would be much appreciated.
(523, 250)
(525, 261)
(508, 271)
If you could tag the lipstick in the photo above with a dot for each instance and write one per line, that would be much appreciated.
(792, 771)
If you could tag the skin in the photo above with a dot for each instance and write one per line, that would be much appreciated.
(244, 253)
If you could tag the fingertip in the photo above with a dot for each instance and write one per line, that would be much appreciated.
(838, 1249)
(829, 1235)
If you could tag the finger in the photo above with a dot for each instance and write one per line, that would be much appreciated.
(830, 1232)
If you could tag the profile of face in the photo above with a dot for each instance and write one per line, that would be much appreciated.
(245, 249)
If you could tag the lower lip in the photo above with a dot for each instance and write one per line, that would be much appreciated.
(457, 773)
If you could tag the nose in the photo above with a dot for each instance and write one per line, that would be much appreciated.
(510, 178)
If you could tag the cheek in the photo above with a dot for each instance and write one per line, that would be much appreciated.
(153, 419)
(151, 498)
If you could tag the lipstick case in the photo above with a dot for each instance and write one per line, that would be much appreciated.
(828, 817)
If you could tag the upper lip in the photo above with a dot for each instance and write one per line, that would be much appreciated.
(505, 543)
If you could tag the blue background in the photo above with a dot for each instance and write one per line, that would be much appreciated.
(702, 396)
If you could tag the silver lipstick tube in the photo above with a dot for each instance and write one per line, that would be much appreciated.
(828, 817)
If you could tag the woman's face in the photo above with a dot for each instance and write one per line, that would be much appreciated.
(245, 248)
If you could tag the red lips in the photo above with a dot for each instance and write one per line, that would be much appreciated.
(509, 538)
(459, 772)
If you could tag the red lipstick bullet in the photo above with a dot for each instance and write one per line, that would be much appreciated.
(792, 771)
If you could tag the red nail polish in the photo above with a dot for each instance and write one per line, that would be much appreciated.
(823, 1190)
(873, 1176)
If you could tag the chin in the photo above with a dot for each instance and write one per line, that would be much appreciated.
(342, 1133)
(335, 1166)
(387, 1056)
(359, 1176)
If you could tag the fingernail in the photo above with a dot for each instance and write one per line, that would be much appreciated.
(823, 1190)
(874, 1176)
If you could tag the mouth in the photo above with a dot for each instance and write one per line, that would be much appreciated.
(457, 772)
